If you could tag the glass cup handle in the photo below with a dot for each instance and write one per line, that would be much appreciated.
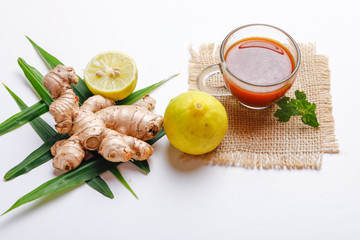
(205, 74)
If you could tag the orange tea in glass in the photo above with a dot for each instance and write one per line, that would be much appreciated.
(259, 64)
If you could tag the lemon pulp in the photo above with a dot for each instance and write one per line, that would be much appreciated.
(111, 74)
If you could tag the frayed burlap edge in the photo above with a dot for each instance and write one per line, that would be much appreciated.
(329, 143)
(252, 160)
(309, 160)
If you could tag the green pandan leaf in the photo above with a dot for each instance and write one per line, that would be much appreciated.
(143, 165)
(38, 157)
(23, 117)
(35, 78)
(118, 175)
(84, 172)
(88, 171)
(32, 113)
(49, 60)
(44, 130)
(101, 186)
(42, 155)
(137, 95)
(81, 90)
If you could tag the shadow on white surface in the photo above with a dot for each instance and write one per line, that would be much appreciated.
(180, 164)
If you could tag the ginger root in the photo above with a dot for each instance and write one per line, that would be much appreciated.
(116, 132)
(57, 81)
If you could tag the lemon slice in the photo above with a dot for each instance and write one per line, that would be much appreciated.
(111, 74)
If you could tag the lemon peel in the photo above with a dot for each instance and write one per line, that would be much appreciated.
(195, 122)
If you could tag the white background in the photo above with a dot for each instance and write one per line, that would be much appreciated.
(181, 200)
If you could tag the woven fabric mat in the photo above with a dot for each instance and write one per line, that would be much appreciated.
(255, 138)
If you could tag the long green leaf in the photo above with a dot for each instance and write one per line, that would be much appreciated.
(88, 171)
(23, 117)
(115, 171)
(75, 177)
(81, 90)
(135, 96)
(44, 130)
(49, 60)
(81, 174)
(35, 78)
(42, 155)
(26, 165)
(40, 108)
(35, 159)
(143, 165)
(101, 186)
(27, 115)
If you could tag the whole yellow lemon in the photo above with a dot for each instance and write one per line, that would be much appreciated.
(195, 122)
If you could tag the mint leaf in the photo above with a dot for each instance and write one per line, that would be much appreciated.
(312, 108)
(300, 95)
(282, 115)
(310, 120)
(283, 101)
(298, 106)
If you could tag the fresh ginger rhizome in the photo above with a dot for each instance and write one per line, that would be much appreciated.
(116, 132)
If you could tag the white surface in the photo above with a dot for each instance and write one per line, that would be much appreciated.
(179, 200)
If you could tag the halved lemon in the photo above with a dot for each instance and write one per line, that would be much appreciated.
(111, 74)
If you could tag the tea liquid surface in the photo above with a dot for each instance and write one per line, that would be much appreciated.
(259, 61)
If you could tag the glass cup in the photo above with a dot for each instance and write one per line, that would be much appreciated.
(251, 95)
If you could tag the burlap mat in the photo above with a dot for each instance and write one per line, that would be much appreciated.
(255, 138)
